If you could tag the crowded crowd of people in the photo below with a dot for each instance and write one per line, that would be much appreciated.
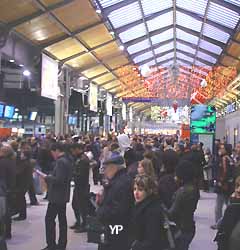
(147, 181)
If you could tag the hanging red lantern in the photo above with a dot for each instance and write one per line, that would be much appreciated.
(175, 106)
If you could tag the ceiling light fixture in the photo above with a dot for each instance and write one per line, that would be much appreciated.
(21, 65)
(26, 73)
(98, 11)
(121, 47)
(11, 60)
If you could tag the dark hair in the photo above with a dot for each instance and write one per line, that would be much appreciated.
(58, 146)
(185, 171)
(228, 148)
(80, 146)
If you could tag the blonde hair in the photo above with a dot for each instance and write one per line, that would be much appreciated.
(148, 167)
(237, 182)
(147, 183)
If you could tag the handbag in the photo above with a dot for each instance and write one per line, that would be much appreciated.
(96, 231)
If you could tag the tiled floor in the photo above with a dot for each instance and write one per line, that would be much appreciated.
(29, 235)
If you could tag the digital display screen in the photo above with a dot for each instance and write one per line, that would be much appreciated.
(72, 120)
(203, 119)
(9, 112)
(33, 116)
(1, 110)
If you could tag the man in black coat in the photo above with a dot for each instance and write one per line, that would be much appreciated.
(58, 196)
(81, 189)
(116, 205)
(7, 187)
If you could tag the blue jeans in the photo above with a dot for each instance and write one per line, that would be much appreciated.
(221, 199)
(185, 240)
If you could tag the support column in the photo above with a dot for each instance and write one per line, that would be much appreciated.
(59, 115)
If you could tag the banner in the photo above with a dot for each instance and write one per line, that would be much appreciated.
(92, 98)
(49, 78)
(124, 111)
(109, 104)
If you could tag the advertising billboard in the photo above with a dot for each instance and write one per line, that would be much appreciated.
(203, 119)
(109, 104)
(92, 99)
(49, 78)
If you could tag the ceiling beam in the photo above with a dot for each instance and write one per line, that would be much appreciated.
(197, 34)
(155, 46)
(86, 52)
(197, 58)
(194, 46)
(29, 18)
(117, 6)
(157, 57)
(65, 36)
(152, 33)
(114, 87)
(185, 61)
(227, 5)
(202, 19)
(107, 82)
(148, 18)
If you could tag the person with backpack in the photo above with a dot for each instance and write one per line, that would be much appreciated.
(227, 237)
(147, 224)
(224, 186)
(185, 204)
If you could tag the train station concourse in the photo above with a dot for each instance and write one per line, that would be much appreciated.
(119, 124)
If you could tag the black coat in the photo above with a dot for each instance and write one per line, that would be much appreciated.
(183, 208)
(167, 187)
(147, 225)
(59, 181)
(7, 176)
(116, 209)
(24, 176)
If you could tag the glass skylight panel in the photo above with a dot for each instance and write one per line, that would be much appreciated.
(138, 46)
(181, 62)
(165, 57)
(206, 57)
(152, 63)
(188, 21)
(134, 32)
(222, 15)
(187, 37)
(143, 57)
(153, 6)
(107, 3)
(198, 63)
(236, 2)
(185, 48)
(167, 64)
(168, 34)
(215, 33)
(198, 6)
(161, 21)
(125, 15)
(163, 48)
(210, 47)
(184, 57)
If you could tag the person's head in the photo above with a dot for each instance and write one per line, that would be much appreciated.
(113, 165)
(146, 167)
(237, 188)
(207, 151)
(237, 149)
(225, 149)
(77, 149)
(6, 152)
(143, 187)
(26, 152)
(185, 172)
(130, 157)
(114, 147)
(170, 161)
(57, 150)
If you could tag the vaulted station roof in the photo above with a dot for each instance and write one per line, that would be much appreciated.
(190, 35)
